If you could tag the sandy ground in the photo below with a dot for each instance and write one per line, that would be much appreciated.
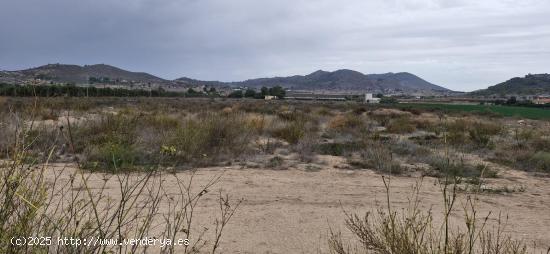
(291, 211)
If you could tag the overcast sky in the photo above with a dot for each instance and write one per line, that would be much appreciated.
(460, 44)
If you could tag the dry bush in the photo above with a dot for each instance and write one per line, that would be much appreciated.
(291, 132)
(405, 147)
(477, 132)
(38, 136)
(480, 132)
(455, 166)
(259, 123)
(384, 115)
(131, 140)
(525, 149)
(413, 230)
(7, 127)
(324, 111)
(523, 136)
(339, 149)
(275, 162)
(291, 115)
(346, 122)
(401, 125)
(427, 124)
(306, 148)
(210, 138)
(3, 101)
(293, 125)
(456, 131)
(110, 142)
(541, 161)
(377, 156)
(161, 121)
(540, 143)
(36, 200)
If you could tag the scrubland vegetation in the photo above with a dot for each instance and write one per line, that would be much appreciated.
(139, 142)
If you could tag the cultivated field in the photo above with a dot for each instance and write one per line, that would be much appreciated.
(253, 176)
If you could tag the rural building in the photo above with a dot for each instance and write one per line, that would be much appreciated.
(270, 97)
(541, 100)
(370, 99)
(315, 96)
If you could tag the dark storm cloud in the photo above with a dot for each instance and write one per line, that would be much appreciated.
(462, 44)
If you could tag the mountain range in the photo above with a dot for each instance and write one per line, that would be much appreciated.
(340, 80)
(68, 73)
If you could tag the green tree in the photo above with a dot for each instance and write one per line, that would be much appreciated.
(264, 91)
(236, 94)
(388, 100)
(277, 91)
(249, 93)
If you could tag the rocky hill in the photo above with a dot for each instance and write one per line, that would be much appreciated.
(337, 81)
(531, 84)
(65, 73)
(340, 80)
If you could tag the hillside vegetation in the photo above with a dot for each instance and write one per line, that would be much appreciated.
(340, 80)
(532, 84)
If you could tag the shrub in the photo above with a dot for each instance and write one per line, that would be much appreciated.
(160, 122)
(292, 132)
(425, 139)
(379, 157)
(210, 138)
(409, 148)
(110, 128)
(337, 149)
(343, 122)
(38, 201)
(257, 123)
(523, 136)
(293, 115)
(480, 133)
(541, 160)
(275, 162)
(412, 230)
(458, 125)
(323, 111)
(112, 157)
(445, 166)
(400, 125)
(306, 147)
(540, 144)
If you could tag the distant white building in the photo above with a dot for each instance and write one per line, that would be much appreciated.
(370, 99)
(270, 97)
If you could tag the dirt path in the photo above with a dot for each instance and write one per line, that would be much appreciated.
(290, 211)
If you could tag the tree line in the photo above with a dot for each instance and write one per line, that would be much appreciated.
(59, 90)
(78, 91)
(277, 91)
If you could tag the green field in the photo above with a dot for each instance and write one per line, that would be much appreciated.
(508, 111)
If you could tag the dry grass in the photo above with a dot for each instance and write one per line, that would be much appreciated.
(122, 137)
(416, 231)
(346, 122)
(66, 205)
(401, 125)
(141, 133)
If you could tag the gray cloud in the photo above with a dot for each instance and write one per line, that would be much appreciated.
(461, 44)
